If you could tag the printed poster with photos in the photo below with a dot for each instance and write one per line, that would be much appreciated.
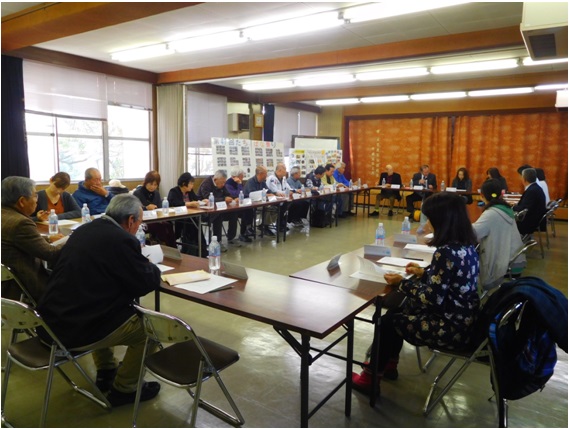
(309, 159)
(245, 154)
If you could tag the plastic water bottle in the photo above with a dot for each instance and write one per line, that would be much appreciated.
(426, 184)
(53, 227)
(321, 188)
(165, 206)
(359, 183)
(351, 184)
(406, 226)
(411, 183)
(141, 236)
(380, 235)
(85, 214)
(383, 182)
(442, 185)
(264, 195)
(211, 200)
(241, 198)
(334, 187)
(302, 191)
(214, 252)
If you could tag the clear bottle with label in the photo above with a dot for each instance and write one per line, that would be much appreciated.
(351, 184)
(241, 198)
(383, 182)
(359, 183)
(302, 191)
(53, 223)
(214, 254)
(165, 207)
(211, 200)
(380, 235)
(334, 187)
(406, 226)
(443, 187)
(141, 236)
(411, 184)
(85, 214)
(264, 195)
(287, 193)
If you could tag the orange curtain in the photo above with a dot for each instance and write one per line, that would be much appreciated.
(406, 144)
(509, 141)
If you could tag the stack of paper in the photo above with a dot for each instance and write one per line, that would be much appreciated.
(198, 281)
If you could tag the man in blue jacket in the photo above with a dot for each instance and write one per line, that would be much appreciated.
(92, 192)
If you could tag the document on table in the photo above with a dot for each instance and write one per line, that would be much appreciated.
(401, 262)
(198, 281)
(375, 273)
(62, 240)
(163, 267)
(420, 248)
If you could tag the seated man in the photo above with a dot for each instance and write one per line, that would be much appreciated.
(321, 208)
(424, 178)
(390, 178)
(255, 184)
(216, 185)
(278, 186)
(532, 199)
(234, 186)
(539, 180)
(92, 192)
(298, 208)
(328, 179)
(23, 248)
(341, 182)
(88, 300)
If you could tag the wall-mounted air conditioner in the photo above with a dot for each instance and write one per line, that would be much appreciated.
(544, 30)
(561, 100)
(237, 122)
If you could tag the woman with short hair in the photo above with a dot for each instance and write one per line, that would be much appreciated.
(54, 197)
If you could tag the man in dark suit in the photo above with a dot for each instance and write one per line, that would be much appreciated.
(532, 199)
(424, 178)
(387, 179)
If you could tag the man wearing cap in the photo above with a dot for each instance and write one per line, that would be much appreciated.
(116, 187)
(92, 192)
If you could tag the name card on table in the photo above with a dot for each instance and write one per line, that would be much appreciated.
(180, 210)
(272, 198)
(149, 214)
(334, 262)
(374, 250)
(450, 189)
(222, 205)
(296, 196)
(418, 187)
(364, 186)
(327, 190)
(246, 202)
(405, 238)
(395, 186)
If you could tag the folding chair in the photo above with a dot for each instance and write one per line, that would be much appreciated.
(9, 276)
(520, 216)
(34, 355)
(512, 265)
(186, 364)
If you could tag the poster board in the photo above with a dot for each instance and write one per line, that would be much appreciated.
(309, 159)
(245, 154)
(316, 143)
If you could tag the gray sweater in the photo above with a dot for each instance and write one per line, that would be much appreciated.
(72, 209)
(499, 240)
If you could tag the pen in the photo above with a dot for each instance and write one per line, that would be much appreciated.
(414, 259)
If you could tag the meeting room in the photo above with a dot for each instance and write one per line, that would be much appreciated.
(302, 213)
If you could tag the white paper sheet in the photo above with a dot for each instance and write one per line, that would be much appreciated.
(214, 284)
(401, 262)
(420, 248)
(164, 268)
(375, 273)
(153, 253)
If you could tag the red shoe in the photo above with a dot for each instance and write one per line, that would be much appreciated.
(362, 382)
(390, 372)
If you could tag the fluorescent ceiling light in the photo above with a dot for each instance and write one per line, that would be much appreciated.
(324, 80)
(438, 95)
(293, 26)
(388, 9)
(385, 99)
(502, 91)
(337, 101)
(529, 62)
(275, 84)
(210, 41)
(477, 66)
(551, 87)
(393, 74)
(141, 53)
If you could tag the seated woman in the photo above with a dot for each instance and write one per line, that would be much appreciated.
(183, 195)
(442, 300)
(463, 183)
(498, 236)
(494, 173)
(55, 197)
(149, 196)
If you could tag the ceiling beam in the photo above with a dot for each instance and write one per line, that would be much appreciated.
(452, 44)
(53, 21)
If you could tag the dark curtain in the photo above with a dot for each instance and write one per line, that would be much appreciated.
(14, 142)
(269, 124)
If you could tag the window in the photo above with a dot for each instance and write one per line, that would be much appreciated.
(57, 143)
(200, 161)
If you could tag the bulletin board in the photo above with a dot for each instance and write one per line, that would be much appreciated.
(245, 154)
(311, 142)
(309, 159)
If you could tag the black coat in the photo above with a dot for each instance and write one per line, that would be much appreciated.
(532, 199)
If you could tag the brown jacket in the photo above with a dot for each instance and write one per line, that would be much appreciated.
(23, 249)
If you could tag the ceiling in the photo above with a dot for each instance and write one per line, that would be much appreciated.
(212, 17)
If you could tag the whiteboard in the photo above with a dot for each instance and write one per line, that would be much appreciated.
(308, 142)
